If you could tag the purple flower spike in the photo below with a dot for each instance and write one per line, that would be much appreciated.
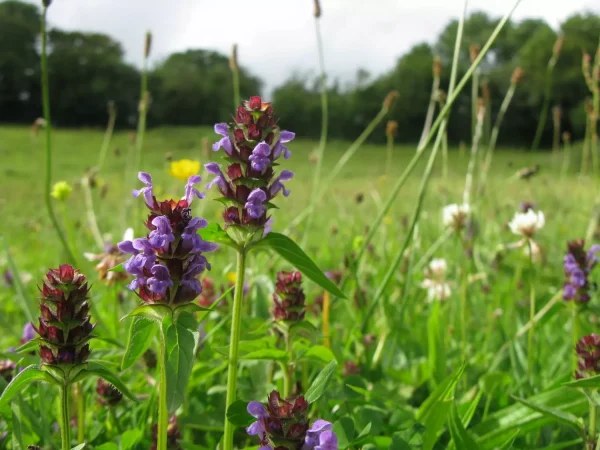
(191, 191)
(219, 180)
(284, 138)
(277, 185)
(145, 178)
(260, 157)
(162, 236)
(578, 265)
(255, 204)
(160, 281)
(225, 142)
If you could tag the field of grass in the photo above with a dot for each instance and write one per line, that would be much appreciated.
(391, 368)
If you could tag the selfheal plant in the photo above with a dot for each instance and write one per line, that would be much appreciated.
(588, 352)
(288, 298)
(252, 143)
(166, 264)
(282, 424)
(578, 263)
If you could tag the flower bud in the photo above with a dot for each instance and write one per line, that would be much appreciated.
(588, 351)
(473, 52)
(173, 435)
(578, 264)
(391, 128)
(148, 44)
(517, 75)
(64, 323)
(390, 99)
(61, 191)
(289, 297)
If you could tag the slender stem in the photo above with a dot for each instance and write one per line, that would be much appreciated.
(593, 416)
(163, 410)
(288, 368)
(474, 98)
(236, 322)
(566, 159)
(430, 110)
(585, 155)
(80, 413)
(575, 331)
(236, 86)
(463, 307)
(473, 159)
(46, 106)
(143, 110)
(544, 112)
(91, 215)
(530, 350)
(445, 155)
(115, 420)
(390, 149)
(326, 304)
(112, 116)
(65, 426)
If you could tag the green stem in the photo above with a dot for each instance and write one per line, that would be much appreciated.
(430, 110)
(474, 98)
(236, 87)
(566, 159)
(112, 116)
(575, 332)
(463, 308)
(546, 105)
(530, 351)
(288, 373)
(390, 149)
(65, 425)
(593, 416)
(236, 322)
(46, 106)
(90, 213)
(80, 413)
(163, 410)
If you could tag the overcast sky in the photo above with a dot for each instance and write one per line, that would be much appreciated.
(276, 37)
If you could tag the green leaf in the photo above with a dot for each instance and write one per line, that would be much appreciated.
(108, 446)
(558, 415)
(461, 438)
(238, 415)
(22, 380)
(17, 425)
(251, 182)
(435, 345)
(101, 370)
(226, 201)
(443, 391)
(273, 354)
(154, 312)
(130, 438)
(292, 253)
(317, 388)
(435, 422)
(29, 346)
(141, 333)
(214, 233)
(585, 383)
(181, 340)
(79, 447)
(344, 430)
(319, 352)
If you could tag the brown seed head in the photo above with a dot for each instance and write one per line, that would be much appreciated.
(474, 52)
(558, 46)
(437, 67)
(317, 10)
(233, 59)
(390, 99)
(148, 44)
(391, 128)
(517, 75)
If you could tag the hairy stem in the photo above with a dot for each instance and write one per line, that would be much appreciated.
(532, 307)
(236, 322)
(80, 413)
(46, 106)
(163, 410)
(65, 417)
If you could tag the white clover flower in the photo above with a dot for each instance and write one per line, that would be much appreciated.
(455, 216)
(526, 224)
(435, 280)
(438, 268)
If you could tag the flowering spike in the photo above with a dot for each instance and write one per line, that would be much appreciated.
(578, 264)
(289, 297)
(588, 351)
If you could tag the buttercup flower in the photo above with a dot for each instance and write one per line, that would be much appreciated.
(526, 224)
(184, 168)
(167, 262)
(283, 425)
(435, 280)
(252, 143)
(64, 323)
(455, 216)
(61, 191)
(588, 351)
(578, 264)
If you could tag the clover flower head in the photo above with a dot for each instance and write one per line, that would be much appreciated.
(528, 223)
(455, 216)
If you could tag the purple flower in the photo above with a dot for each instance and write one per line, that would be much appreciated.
(220, 179)
(162, 236)
(225, 142)
(314, 432)
(160, 281)
(284, 138)
(191, 191)
(192, 241)
(197, 264)
(260, 157)
(268, 226)
(327, 441)
(28, 333)
(277, 185)
(255, 204)
(145, 178)
(578, 264)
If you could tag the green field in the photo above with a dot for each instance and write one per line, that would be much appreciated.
(399, 369)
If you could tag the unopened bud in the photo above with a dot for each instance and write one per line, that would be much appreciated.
(317, 10)
(474, 52)
(558, 46)
(391, 128)
(517, 75)
(566, 137)
(61, 191)
(390, 99)
(148, 44)
(437, 67)
(233, 60)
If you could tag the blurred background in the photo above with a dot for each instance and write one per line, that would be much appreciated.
(370, 48)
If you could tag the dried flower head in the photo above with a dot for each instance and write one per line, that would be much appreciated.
(437, 67)
(233, 59)
(317, 9)
(474, 52)
(391, 128)
(7, 370)
(588, 351)
(455, 216)
(558, 46)
(283, 425)
(173, 435)
(64, 323)
(148, 44)
(167, 262)
(578, 264)
(517, 75)
(389, 100)
(109, 259)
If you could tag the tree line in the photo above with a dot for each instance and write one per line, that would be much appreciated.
(87, 70)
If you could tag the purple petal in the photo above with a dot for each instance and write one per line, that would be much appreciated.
(286, 136)
(257, 410)
(126, 247)
(262, 149)
(145, 178)
(257, 195)
(286, 175)
(222, 129)
(327, 441)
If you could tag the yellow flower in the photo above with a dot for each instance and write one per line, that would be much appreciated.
(184, 168)
(387, 220)
(61, 190)
(231, 277)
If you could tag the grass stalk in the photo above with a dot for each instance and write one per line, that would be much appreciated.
(112, 117)
(48, 132)
(235, 74)
(437, 68)
(474, 150)
(90, 213)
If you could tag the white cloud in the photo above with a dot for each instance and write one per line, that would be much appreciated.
(276, 37)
